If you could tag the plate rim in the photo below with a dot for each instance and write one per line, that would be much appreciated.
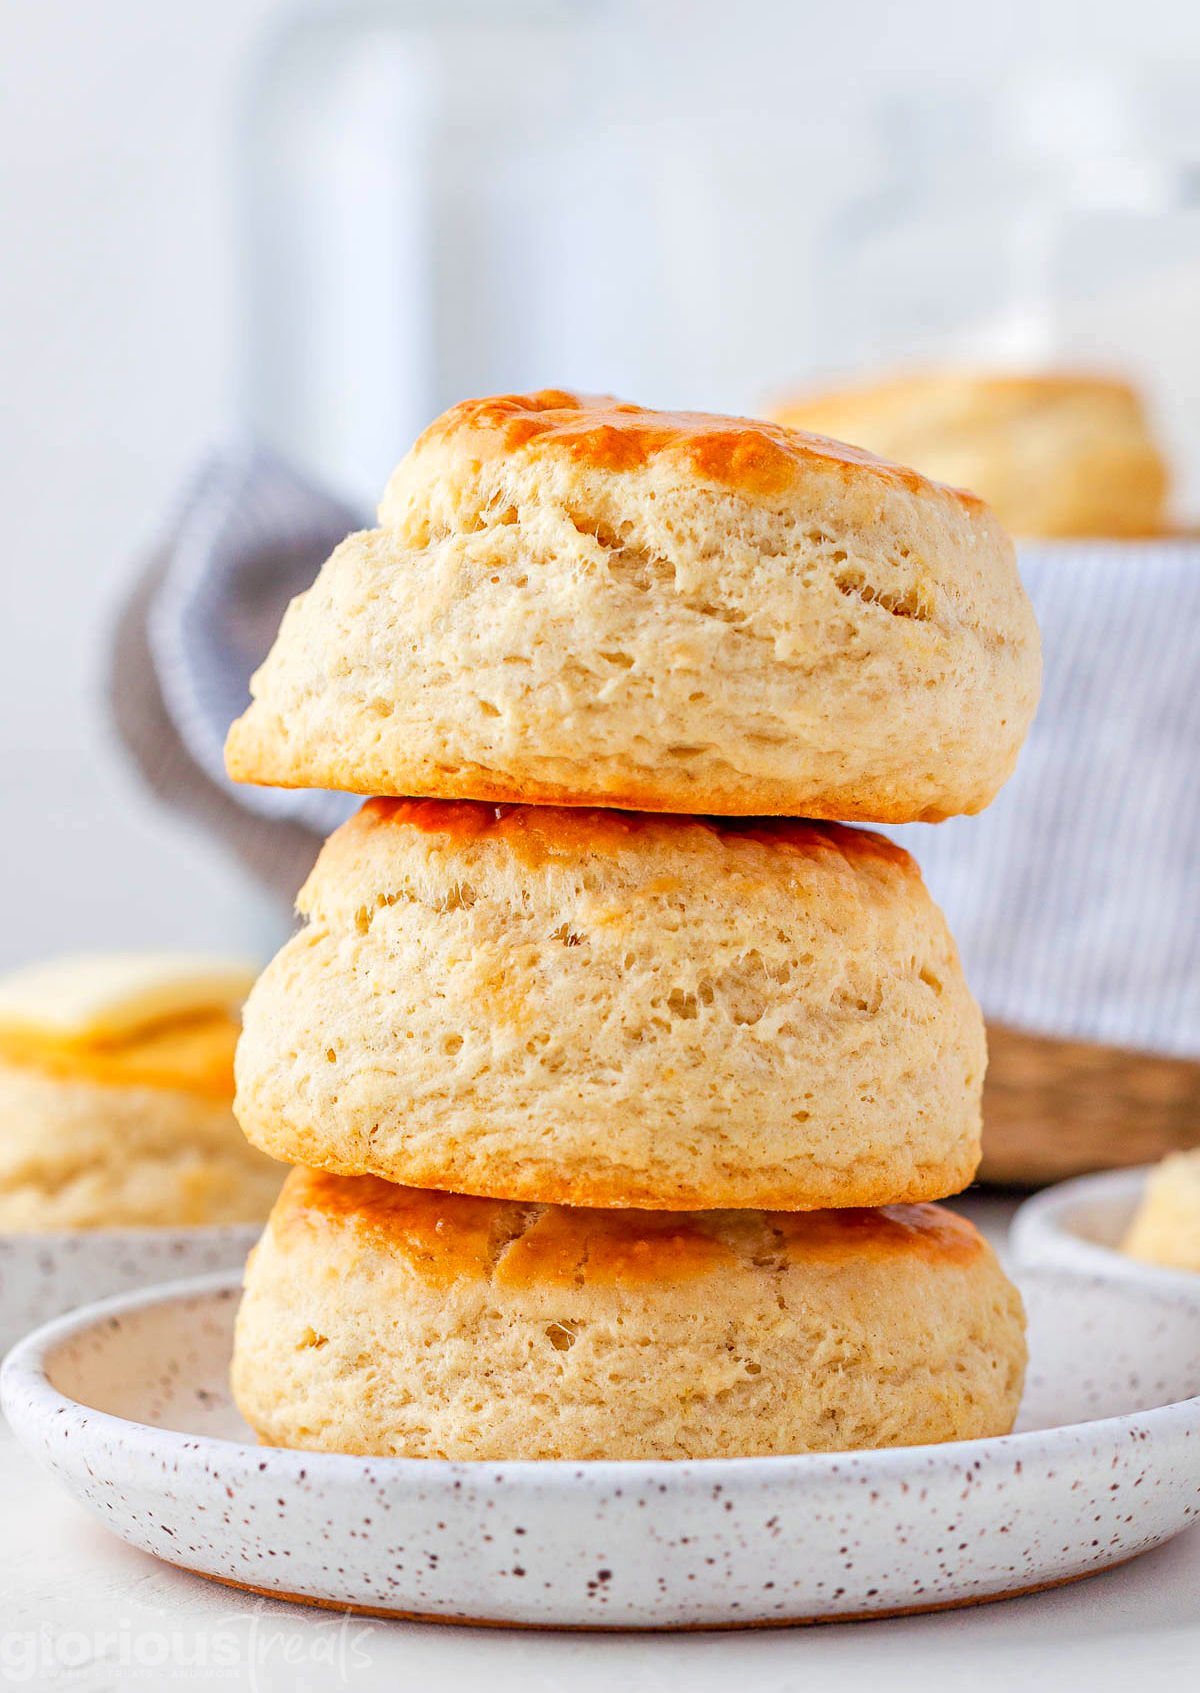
(24, 1378)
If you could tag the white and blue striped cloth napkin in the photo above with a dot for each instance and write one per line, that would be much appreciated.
(1074, 898)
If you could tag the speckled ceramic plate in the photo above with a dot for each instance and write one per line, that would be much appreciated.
(128, 1405)
(42, 1275)
(1079, 1225)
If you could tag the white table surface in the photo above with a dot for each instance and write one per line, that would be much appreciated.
(81, 1609)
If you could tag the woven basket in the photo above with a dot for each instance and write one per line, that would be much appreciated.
(1059, 1108)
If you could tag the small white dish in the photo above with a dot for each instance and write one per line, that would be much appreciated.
(128, 1404)
(45, 1274)
(1078, 1226)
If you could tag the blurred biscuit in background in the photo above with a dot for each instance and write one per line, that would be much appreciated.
(116, 1088)
(1056, 455)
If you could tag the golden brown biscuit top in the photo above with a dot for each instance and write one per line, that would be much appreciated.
(893, 1230)
(446, 1237)
(754, 458)
(534, 832)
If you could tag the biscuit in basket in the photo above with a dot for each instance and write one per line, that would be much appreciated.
(1056, 454)
(579, 602)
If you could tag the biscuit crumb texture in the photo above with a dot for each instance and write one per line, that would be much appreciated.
(573, 601)
(606, 1009)
(384, 1321)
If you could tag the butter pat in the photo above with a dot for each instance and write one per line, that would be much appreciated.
(97, 997)
(1166, 1227)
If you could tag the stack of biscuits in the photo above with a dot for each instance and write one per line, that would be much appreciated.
(619, 1073)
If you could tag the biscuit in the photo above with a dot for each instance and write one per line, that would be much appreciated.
(83, 1154)
(1055, 455)
(390, 1321)
(573, 601)
(1166, 1227)
(612, 1009)
(116, 1085)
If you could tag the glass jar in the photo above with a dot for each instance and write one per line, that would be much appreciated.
(1057, 224)
(423, 219)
